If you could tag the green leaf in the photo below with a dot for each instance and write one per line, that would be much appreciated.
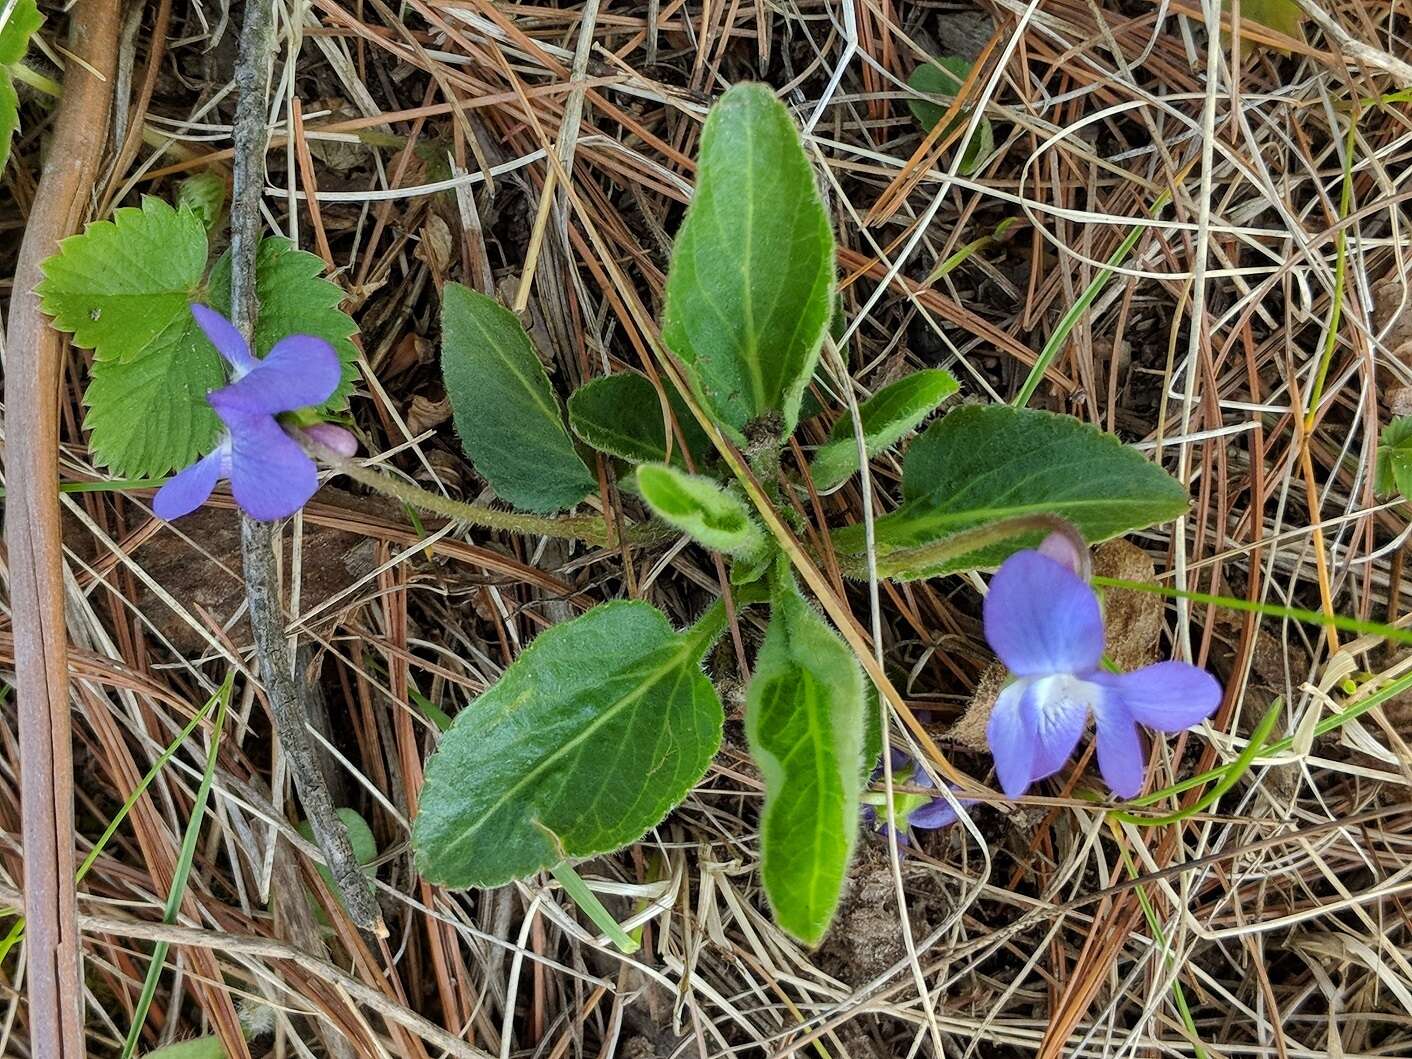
(22, 22)
(124, 287)
(1393, 468)
(506, 413)
(984, 463)
(887, 417)
(750, 290)
(1283, 16)
(148, 412)
(9, 115)
(295, 299)
(591, 736)
(943, 77)
(622, 416)
(195, 1048)
(804, 720)
(699, 507)
(204, 194)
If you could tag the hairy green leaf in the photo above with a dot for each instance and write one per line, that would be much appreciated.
(195, 1048)
(887, 417)
(984, 463)
(124, 287)
(702, 509)
(804, 718)
(1393, 468)
(750, 290)
(622, 415)
(588, 740)
(506, 413)
(22, 18)
(944, 77)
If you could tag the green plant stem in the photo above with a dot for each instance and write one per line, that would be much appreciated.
(179, 877)
(36, 80)
(1316, 393)
(589, 904)
(592, 529)
(963, 542)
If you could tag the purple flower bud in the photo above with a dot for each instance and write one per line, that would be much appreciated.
(270, 476)
(1046, 625)
(909, 811)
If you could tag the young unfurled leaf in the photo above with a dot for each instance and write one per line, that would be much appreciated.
(204, 194)
(590, 737)
(944, 77)
(1393, 468)
(750, 289)
(124, 287)
(804, 720)
(887, 417)
(699, 507)
(22, 18)
(984, 463)
(506, 413)
(622, 416)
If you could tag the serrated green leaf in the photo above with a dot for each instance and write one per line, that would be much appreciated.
(750, 290)
(804, 720)
(598, 729)
(1393, 467)
(944, 77)
(122, 286)
(622, 416)
(887, 417)
(360, 837)
(148, 412)
(509, 420)
(21, 20)
(9, 115)
(295, 299)
(702, 509)
(984, 463)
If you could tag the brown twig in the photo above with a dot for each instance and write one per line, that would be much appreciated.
(33, 368)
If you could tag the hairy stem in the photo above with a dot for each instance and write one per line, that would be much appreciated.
(964, 542)
(257, 539)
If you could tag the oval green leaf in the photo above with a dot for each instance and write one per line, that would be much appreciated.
(944, 77)
(804, 718)
(506, 413)
(887, 417)
(984, 463)
(750, 290)
(588, 740)
(622, 416)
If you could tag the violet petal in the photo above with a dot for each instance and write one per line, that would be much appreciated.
(225, 338)
(189, 489)
(333, 437)
(1040, 618)
(936, 813)
(1122, 757)
(1012, 739)
(1168, 696)
(300, 371)
(270, 476)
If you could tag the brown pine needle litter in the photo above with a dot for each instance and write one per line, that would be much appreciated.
(1254, 338)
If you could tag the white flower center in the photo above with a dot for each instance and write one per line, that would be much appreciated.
(1061, 694)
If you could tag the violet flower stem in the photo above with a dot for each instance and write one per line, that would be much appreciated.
(257, 539)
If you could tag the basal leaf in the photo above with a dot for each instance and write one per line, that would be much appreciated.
(1393, 468)
(750, 289)
(944, 77)
(622, 416)
(887, 417)
(984, 463)
(295, 299)
(124, 287)
(506, 413)
(591, 736)
(804, 720)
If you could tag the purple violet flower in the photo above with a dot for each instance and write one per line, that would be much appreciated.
(926, 812)
(1044, 622)
(270, 475)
